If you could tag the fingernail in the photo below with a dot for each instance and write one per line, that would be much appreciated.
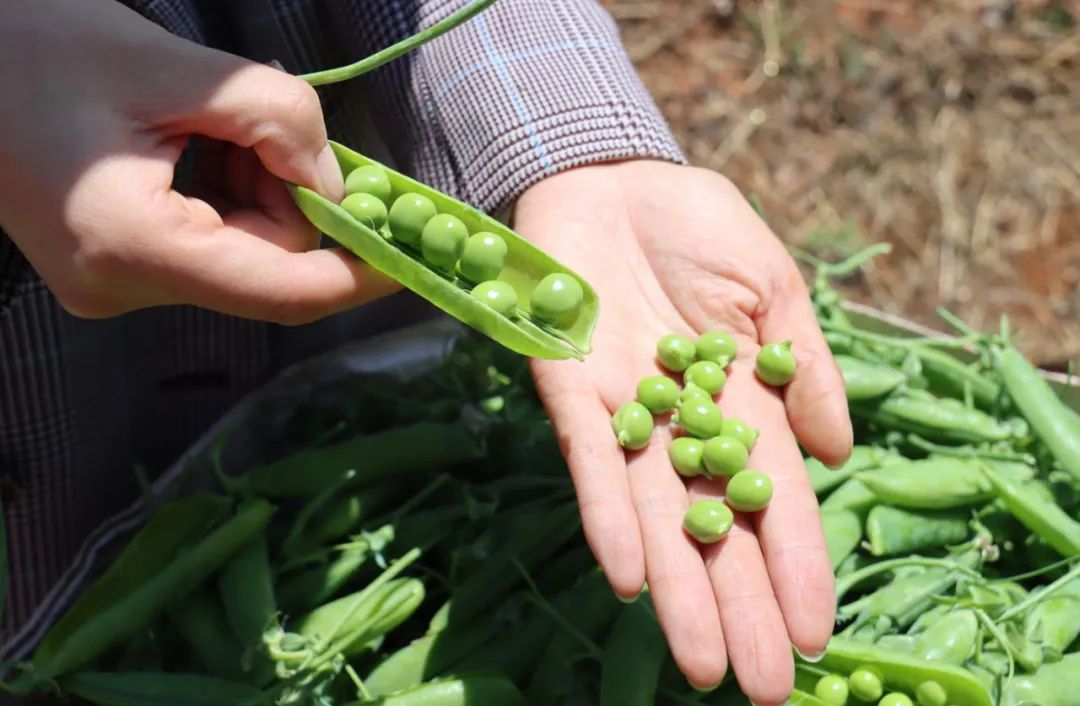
(333, 183)
(632, 599)
(274, 63)
(704, 689)
(811, 658)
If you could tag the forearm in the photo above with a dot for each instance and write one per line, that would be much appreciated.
(527, 89)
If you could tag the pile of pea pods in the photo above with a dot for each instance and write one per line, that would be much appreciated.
(417, 543)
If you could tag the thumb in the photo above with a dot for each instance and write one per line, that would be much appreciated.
(265, 109)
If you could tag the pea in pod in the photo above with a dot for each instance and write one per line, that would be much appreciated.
(891, 531)
(931, 484)
(524, 268)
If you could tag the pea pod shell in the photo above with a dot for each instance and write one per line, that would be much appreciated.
(853, 496)
(633, 656)
(891, 531)
(950, 639)
(843, 532)
(825, 479)
(1055, 684)
(931, 484)
(902, 671)
(524, 267)
(934, 419)
(160, 689)
(479, 689)
(864, 380)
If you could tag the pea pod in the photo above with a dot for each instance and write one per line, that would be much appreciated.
(404, 450)
(524, 268)
(825, 479)
(247, 592)
(482, 689)
(904, 672)
(1055, 684)
(159, 689)
(1055, 622)
(1040, 515)
(633, 658)
(316, 585)
(942, 420)
(892, 531)
(866, 381)
(853, 495)
(200, 620)
(843, 532)
(931, 484)
(1053, 422)
(951, 639)
(82, 635)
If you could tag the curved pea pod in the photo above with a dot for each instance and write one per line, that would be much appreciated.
(348, 624)
(950, 639)
(400, 451)
(943, 420)
(825, 479)
(633, 657)
(160, 689)
(843, 532)
(1054, 623)
(932, 484)
(1052, 421)
(314, 586)
(481, 689)
(246, 585)
(524, 267)
(1040, 515)
(852, 496)
(867, 381)
(891, 531)
(902, 672)
(898, 602)
(72, 644)
(1055, 684)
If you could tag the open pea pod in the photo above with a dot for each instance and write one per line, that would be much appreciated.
(524, 267)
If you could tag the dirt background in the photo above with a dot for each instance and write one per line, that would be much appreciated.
(949, 128)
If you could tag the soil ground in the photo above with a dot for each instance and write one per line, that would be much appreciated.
(949, 128)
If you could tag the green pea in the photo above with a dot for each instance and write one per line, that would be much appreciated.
(497, 294)
(700, 418)
(931, 693)
(693, 392)
(724, 456)
(367, 209)
(675, 352)
(776, 364)
(749, 491)
(738, 429)
(895, 699)
(443, 240)
(369, 180)
(557, 300)
(707, 375)
(832, 689)
(865, 685)
(633, 426)
(408, 216)
(708, 521)
(685, 454)
(658, 392)
(718, 347)
(484, 257)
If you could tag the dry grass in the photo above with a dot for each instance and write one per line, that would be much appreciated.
(950, 128)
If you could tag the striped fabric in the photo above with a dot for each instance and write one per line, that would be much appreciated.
(528, 88)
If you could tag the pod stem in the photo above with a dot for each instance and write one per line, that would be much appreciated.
(344, 73)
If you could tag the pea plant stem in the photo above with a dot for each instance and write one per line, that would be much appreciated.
(344, 73)
(1033, 600)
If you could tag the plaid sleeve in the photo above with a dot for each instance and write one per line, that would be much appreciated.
(524, 90)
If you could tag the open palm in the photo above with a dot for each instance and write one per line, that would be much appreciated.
(673, 249)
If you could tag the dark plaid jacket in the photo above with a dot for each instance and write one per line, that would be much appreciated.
(525, 89)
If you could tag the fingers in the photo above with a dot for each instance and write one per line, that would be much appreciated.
(788, 530)
(758, 647)
(270, 111)
(816, 402)
(679, 584)
(598, 469)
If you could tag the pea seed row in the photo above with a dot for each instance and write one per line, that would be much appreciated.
(867, 686)
(472, 260)
(710, 445)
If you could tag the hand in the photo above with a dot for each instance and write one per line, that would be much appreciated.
(678, 249)
(106, 102)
